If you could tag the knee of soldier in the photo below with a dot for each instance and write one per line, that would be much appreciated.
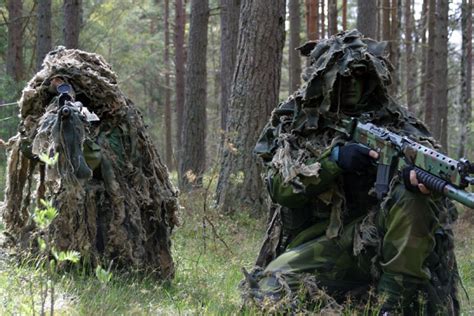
(408, 210)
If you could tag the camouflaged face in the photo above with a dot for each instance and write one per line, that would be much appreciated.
(338, 57)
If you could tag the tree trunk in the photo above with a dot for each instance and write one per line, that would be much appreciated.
(386, 31)
(394, 46)
(15, 66)
(193, 160)
(410, 79)
(180, 68)
(366, 17)
(344, 15)
(72, 22)
(294, 56)
(230, 10)
(323, 19)
(440, 81)
(168, 117)
(429, 67)
(43, 31)
(424, 51)
(466, 74)
(378, 18)
(332, 17)
(312, 19)
(254, 94)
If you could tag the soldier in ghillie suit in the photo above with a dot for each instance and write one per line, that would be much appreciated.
(113, 195)
(329, 237)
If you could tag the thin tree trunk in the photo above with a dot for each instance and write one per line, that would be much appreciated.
(193, 161)
(394, 45)
(424, 51)
(43, 31)
(344, 15)
(441, 73)
(378, 18)
(180, 68)
(294, 57)
(168, 118)
(254, 94)
(230, 10)
(323, 19)
(466, 75)
(312, 19)
(72, 22)
(386, 30)
(410, 72)
(332, 17)
(429, 67)
(366, 17)
(15, 65)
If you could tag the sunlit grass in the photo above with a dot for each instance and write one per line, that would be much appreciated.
(209, 250)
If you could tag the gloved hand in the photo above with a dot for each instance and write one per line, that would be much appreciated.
(353, 157)
(411, 182)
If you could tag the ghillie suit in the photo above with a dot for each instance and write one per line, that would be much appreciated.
(327, 230)
(112, 192)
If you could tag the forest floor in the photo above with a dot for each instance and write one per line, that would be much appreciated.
(209, 250)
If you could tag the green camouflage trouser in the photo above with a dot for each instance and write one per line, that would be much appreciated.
(406, 225)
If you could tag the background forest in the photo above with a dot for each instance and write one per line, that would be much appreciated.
(181, 62)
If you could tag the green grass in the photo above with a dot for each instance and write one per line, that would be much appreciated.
(207, 272)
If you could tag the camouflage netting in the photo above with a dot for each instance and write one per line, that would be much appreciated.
(121, 206)
(303, 128)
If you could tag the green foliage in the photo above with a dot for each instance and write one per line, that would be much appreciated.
(104, 276)
(44, 217)
(64, 256)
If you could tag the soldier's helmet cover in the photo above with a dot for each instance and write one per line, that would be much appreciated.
(344, 55)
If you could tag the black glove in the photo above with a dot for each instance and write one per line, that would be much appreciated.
(406, 180)
(354, 157)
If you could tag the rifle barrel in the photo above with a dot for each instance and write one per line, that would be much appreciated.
(463, 197)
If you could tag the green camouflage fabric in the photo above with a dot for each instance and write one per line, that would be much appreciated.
(327, 225)
(115, 200)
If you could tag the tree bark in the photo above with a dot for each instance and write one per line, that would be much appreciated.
(441, 73)
(254, 94)
(410, 79)
(386, 30)
(323, 19)
(43, 31)
(424, 52)
(193, 160)
(394, 46)
(15, 65)
(466, 75)
(366, 17)
(294, 56)
(429, 67)
(180, 68)
(312, 19)
(168, 117)
(230, 10)
(332, 17)
(378, 18)
(344, 15)
(72, 22)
